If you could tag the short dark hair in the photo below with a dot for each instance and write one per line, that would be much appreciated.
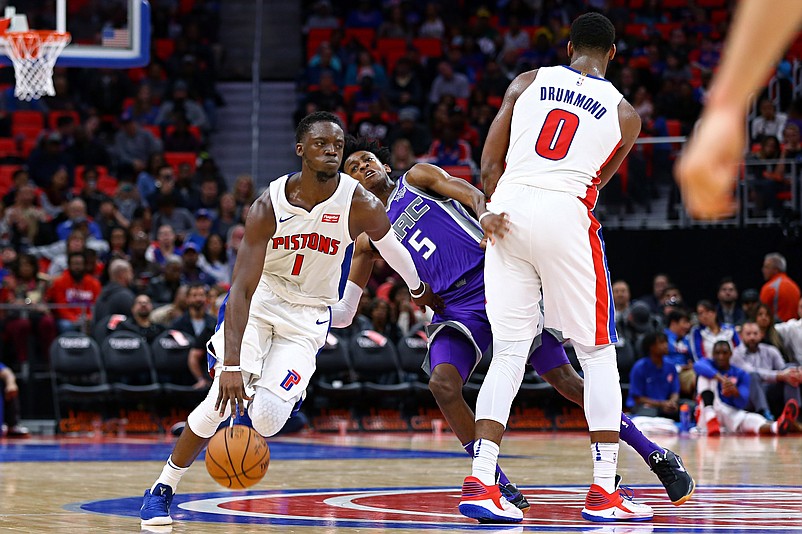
(674, 316)
(71, 255)
(592, 31)
(726, 280)
(313, 118)
(722, 342)
(650, 339)
(358, 144)
(706, 304)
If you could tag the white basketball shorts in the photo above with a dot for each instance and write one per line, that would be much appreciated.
(280, 343)
(554, 248)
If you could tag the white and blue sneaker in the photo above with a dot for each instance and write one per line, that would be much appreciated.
(486, 503)
(156, 506)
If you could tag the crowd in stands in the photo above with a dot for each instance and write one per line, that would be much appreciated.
(111, 201)
(426, 79)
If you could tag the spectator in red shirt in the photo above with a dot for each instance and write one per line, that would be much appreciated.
(779, 293)
(74, 286)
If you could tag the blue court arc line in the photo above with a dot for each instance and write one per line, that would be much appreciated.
(87, 451)
(129, 507)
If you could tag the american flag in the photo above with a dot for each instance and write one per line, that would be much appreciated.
(117, 38)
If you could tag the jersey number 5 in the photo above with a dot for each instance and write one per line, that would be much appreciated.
(423, 243)
(557, 134)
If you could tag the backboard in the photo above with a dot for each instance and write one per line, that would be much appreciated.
(105, 33)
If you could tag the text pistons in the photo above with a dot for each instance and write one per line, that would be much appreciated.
(314, 241)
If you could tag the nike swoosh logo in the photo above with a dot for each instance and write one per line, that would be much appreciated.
(322, 322)
(287, 219)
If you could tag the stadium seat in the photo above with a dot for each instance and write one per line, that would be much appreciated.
(129, 366)
(7, 177)
(154, 129)
(177, 158)
(32, 119)
(335, 379)
(428, 46)
(412, 349)
(105, 326)
(348, 92)
(77, 374)
(170, 352)
(375, 362)
(163, 48)
(105, 184)
(365, 36)
(8, 148)
(314, 38)
(194, 130)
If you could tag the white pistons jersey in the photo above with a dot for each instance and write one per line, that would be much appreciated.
(564, 129)
(303, 259)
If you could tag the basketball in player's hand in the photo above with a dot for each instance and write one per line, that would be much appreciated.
(237, 457)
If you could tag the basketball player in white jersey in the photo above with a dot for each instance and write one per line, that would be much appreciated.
(278, 312)
(559, 136)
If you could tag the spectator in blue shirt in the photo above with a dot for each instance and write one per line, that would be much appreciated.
(653, 381)
(679, 350)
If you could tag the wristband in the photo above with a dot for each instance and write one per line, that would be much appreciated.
(414, 296)
(231, 368)
(482, 216)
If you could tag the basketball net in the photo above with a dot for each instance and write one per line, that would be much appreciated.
(34, 54)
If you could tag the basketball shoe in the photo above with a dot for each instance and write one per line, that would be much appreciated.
(671, 471)
(788, 419)
(616, 506)
(486, 503)
(513, 494)
(713, 427)
(156, 506)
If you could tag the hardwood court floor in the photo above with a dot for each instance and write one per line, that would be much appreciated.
(395, 483)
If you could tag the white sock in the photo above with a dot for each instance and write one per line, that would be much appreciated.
(485, 458)
(605, 462)
(775, 427)
(171, 475)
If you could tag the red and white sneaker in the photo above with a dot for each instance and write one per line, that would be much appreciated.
(713, 427)
(616, 506)
(786, 422)
(486, 504)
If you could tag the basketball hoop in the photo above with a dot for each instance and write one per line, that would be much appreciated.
(34, 54)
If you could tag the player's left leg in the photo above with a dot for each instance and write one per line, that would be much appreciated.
(552, 364)
(452, 357)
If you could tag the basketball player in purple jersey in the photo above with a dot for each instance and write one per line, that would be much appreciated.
(426, 208)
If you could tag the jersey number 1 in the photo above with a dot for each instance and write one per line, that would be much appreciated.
(557, 134)
(296, 267)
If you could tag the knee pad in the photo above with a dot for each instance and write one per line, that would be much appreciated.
(204, 419)
(707, 398)
(268, 412)
(602, 391)
(502, 381)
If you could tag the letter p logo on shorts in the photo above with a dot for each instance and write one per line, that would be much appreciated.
(291, 379)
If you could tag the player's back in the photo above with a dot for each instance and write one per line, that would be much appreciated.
(564, 129)
(441, 236)
(304, 258)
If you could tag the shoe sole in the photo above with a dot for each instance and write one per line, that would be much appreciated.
(687, 497)
(483, 515)
(601, 519)
(157, 521)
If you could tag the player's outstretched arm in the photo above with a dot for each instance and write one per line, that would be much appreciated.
(368, 215)
(494, 152)
(259, 228)
(629, 120)
(342, 313)
(707, 170)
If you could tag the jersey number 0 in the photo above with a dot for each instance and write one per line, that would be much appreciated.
(557, 134)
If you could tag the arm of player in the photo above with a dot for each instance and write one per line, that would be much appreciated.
(629, 120)
(432, 178)
(494, 152)
(259, 228)
(369, 216)
(342, 313)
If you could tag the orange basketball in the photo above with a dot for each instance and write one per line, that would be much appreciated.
(237, 457)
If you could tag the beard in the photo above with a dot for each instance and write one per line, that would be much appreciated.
(325, 176)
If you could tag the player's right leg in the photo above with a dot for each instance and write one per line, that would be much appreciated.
(201, 425)
(552, 364)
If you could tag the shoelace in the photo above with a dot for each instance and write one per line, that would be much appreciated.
(626, 493)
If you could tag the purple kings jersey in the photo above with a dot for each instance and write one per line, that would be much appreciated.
(441, 236)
